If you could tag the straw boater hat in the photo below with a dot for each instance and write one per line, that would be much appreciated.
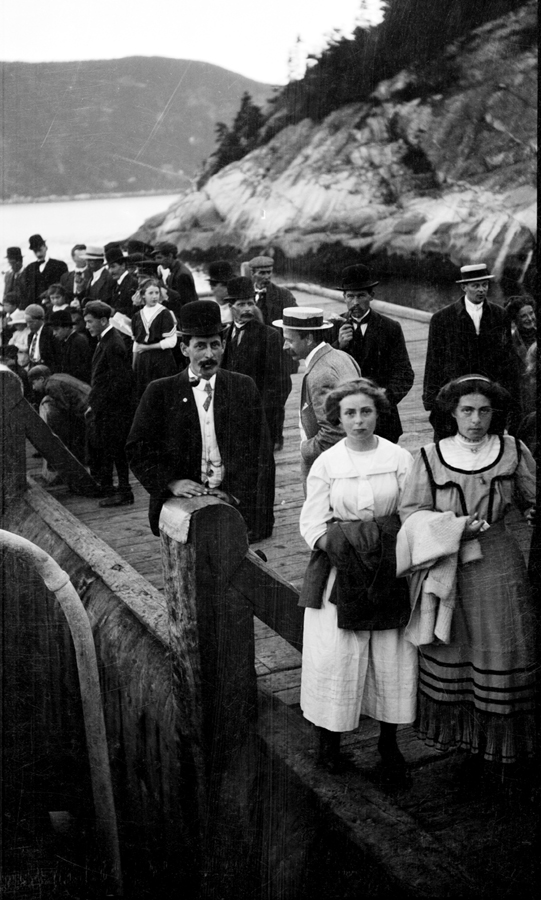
(477, 272)
(303, 318)
(93, 251)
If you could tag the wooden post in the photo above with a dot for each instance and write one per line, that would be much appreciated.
(212, 635)
(12, 440)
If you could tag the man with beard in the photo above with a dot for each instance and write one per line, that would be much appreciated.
(326, 368)
(377, 345)
(470, 336)
(202, 431)
(39, 275)
(255, 349)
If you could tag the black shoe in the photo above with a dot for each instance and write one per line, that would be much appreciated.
(125, 498)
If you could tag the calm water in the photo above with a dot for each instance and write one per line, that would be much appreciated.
(68, 222)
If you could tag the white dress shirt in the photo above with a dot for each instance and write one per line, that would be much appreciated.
(475, 312)
(212, 470)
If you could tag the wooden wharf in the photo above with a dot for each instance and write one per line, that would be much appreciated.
(468, 843)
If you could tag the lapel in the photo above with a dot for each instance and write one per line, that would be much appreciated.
(317, 356)
(221, 405)
(371, 336)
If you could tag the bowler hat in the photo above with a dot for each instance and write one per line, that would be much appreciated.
(477, 272)
(221, 271)
(61, 318)
(240, 289)
(165, 248)
(357, 278)
(36, 241)
(14, 253)
(93, 251)
(201, 318)
(114, 255)
(303, 318)
(259, 261)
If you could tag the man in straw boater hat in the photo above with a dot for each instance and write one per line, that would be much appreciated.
(468, 336)
(304, 331)
(203, 431)
(101, 284)
(376, 343)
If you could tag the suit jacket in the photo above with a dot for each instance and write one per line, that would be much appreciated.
(454, 349)
(68, 281)
(382, 356)
(36, 282)
(273, 303)
(180, 280)
(102, 289)
(165, 440)
(121, 298)
(76, 357)
(49, 349)
(260, 356)
(14, 283)
(327, 369)
(111, 385)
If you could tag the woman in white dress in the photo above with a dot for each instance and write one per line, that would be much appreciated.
(372, 670)
(477, 690)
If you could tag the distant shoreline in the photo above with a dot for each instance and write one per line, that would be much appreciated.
(106, 195)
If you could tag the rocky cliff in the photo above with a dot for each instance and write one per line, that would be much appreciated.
(438, 164)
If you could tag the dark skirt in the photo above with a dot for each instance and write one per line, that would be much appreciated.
(478, 692)
(150, 365)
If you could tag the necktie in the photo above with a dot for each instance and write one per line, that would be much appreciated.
(208, 390)
(33, 348)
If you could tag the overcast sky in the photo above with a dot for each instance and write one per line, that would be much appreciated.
(250, 38)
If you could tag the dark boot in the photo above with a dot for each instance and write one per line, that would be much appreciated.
(329, 749)
(393, 764)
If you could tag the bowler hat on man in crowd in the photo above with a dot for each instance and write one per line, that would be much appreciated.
(477, 272)
(303, 318)
(165, 248)
(201, 318)
(114, 254)
(35, 241)
(61, 318)
(240, 289)
(220, 271)
(260, 262)
(14, 253)
(357, 278)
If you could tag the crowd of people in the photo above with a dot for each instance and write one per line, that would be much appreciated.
(132, 370)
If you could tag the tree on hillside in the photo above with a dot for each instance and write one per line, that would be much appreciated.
(235, 142)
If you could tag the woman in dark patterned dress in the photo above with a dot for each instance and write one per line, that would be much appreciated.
(154, 335)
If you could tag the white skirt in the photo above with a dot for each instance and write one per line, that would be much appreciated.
(346, 674)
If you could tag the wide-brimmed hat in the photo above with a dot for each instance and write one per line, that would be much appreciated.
(357, 278)
(221, 271)
(93, 251)
(14, 253)
(61, 318)
(240, 288)
(477, 272)
(17, 317)
(259, 261)
(201, 318)
(36, 241)
(114, 255)
(303, 318)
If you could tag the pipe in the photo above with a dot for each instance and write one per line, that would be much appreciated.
(57, 581)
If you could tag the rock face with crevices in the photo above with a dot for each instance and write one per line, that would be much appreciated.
(436, 163)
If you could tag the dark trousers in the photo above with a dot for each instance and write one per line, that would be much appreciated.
(106, 437)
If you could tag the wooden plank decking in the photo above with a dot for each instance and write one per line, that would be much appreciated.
(484, 833)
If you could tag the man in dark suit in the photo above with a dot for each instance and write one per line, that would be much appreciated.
(39, 275)
(467, 337)
(111, 406)
(202, 431)
(125, 284)
(255, 349)
(172, 271)
(75, 353)
(376, 343)
(43, 349)
(101, 284)
(77, 281)
(14, 280)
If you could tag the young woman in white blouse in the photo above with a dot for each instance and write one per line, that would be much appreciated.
(154, 331)
(352, 672)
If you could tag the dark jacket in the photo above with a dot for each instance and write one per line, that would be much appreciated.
(180, 280)
(36, 282)
(367, 593)
(111, 385)
(49, 349)
(102, 289)
(382, 356)
(165, 440)
(259, 355)
(76, 356)
(455, 349)
(122, 294)
(68, 281)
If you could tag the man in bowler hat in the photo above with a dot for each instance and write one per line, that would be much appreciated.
(203, 431)
(14, 280)
(39, 275)
(376, 343)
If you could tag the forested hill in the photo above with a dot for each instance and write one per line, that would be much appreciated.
(134, 124)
